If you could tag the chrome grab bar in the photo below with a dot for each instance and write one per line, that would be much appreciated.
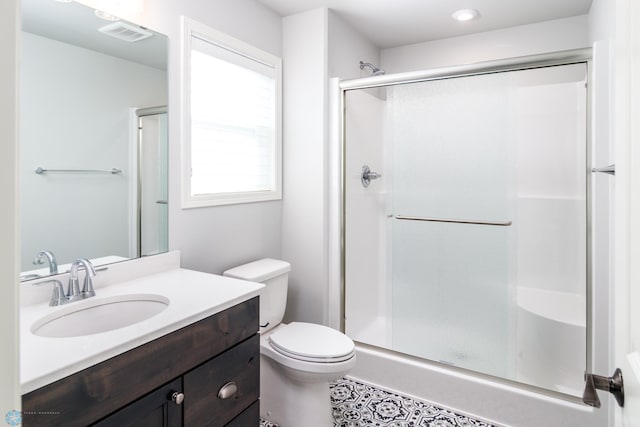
(455, 221)
(113, 171)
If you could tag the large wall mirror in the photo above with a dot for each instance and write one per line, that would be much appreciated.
(93, 137)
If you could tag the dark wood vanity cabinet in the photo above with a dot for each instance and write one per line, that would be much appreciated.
(206, 374)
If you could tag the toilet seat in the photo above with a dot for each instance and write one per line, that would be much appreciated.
(312, 343)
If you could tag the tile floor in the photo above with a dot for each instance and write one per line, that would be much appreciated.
(361, 405)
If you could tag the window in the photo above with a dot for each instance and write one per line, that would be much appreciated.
(231, 123)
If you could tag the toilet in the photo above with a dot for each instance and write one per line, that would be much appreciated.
(297, 360)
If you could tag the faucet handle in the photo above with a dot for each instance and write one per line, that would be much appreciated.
(57, 297)
(73, 288)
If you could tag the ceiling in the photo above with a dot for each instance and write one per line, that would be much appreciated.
(391, 23)
(76, 24)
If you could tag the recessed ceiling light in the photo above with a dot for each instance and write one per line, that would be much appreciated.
(465, 15)
(106, 16)
(64, 1)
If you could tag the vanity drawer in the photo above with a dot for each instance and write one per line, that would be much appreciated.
(89, 395)
(204, 387)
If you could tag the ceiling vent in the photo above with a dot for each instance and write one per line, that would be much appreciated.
(125, 31)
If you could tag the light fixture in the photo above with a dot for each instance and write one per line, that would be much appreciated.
(64, 1)
(465, 15)
(106, 16)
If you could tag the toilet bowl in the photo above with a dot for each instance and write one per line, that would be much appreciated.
(294, 380)
(309, 351)
(297, 360)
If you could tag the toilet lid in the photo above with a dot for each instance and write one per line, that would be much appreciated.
(311, 342)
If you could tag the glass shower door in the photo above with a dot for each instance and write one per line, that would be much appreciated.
(470, 249)
(152, 182)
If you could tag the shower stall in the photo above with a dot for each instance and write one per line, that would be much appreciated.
(466, 219)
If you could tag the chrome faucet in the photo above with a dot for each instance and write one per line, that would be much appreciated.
(73, 290)
(74, 293)
(50, 257)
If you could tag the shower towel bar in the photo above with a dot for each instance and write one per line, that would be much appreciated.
(455, 221)
(113, 171)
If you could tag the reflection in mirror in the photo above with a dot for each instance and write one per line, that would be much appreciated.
(93, 148)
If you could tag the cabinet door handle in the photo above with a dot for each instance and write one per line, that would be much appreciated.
(177, 397)
(227, 390)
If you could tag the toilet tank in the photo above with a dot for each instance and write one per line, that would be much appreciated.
(273, 298)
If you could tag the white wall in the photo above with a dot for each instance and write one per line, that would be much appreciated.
(9, 258)
(304, 184)
(347, 48)
(316, 44)
(549, 36)
(70, 214)
(601, 20)
(217, 238)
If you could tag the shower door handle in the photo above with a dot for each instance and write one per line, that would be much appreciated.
(368, 175)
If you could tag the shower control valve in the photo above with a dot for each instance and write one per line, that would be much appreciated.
(368, 175)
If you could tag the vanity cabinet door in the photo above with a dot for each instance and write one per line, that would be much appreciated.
(249, 418)
(157, 409)
(222, 388)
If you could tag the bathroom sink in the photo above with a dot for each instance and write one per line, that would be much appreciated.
(96, 315)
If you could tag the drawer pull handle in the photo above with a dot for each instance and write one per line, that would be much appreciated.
(228, 390)
(177, 397)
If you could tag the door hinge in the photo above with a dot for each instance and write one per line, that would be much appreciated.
(612, 384)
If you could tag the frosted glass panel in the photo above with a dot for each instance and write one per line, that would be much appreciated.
(507, 299)
(451, 147)
(450, 294)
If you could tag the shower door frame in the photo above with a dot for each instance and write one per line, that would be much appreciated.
(136, 185)
(340, 88)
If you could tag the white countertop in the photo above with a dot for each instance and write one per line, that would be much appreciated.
(193, 296)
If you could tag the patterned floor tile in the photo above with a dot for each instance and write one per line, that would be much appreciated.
(361, 405)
